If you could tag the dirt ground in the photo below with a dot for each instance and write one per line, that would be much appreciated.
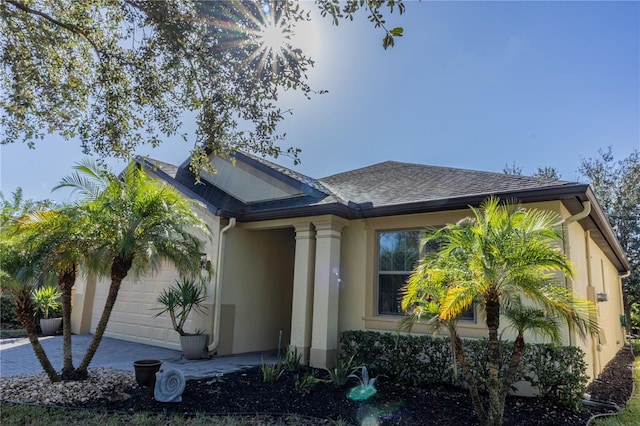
(245, 392)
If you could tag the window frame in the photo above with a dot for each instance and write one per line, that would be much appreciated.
(378, 273)
(422, 232)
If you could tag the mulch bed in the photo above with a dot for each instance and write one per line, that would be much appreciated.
(615, 383)
(245, 392)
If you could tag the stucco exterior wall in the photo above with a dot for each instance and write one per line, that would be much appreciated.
(358, 297)
(358, 294)
(257, 278)
(595, 273)
(604, 278)
(355, 263)
(257, 287)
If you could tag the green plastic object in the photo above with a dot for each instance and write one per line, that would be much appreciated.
(623, 320)
(362, 392)
(365, 390)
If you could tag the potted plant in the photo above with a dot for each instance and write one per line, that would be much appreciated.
(179, 300)
(46, 302)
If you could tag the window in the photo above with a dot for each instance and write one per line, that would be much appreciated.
(398, 254)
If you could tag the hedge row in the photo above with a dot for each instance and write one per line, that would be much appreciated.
(557, 372)
(7, 311)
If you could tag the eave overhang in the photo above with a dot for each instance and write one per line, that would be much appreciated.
(571, 195)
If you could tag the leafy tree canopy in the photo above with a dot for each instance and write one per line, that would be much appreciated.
(617, 188)
(116, 74)
(512, 169)
(545, 172)
(17, 206)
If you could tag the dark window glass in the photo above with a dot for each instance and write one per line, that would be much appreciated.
(469, 314)
(398, 251)
(398, 254)
(389, 297)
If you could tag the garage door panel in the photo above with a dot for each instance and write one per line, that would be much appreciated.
(132, 318)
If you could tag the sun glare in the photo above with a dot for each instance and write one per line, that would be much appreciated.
(273, 36)
(265, 32)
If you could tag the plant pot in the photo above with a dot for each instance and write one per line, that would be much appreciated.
(193, 345)
(50, 326)
(146, 370)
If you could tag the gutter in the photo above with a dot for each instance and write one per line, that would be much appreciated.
(215, 326)
(604, 227)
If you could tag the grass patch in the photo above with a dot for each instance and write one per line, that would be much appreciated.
(631, 414)
(16, 414)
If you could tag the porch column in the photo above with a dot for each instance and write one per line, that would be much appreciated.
(83, 295)
(302, 306)
(324, 342)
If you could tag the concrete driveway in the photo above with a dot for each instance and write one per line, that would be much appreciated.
(17, 357)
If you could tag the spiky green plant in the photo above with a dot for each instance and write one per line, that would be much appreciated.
(46, 299)
(292, 359)
(271, 372)
(342, 372)
(180, 299)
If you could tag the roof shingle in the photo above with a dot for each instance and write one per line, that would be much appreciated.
(392, 183)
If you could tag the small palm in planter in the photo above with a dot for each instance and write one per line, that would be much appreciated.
(179, 300)
(46, 301)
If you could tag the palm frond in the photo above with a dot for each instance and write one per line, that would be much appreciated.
(528, 318)
(89, 179)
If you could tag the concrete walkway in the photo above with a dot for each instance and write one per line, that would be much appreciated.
(17, 357)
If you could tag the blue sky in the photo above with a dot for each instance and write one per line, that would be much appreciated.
(472, 85)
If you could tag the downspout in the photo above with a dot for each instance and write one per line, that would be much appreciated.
(215, 326)
(586, 209)
(591, 296)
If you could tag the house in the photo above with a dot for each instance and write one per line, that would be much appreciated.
(298, 260)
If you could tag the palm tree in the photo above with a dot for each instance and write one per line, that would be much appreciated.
(493, 258)
(137, 222)
(57, 241)
(20, 287)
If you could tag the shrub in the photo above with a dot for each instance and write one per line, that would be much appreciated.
(477, 354)
(413, 360)
(557, 372)
(7, 311)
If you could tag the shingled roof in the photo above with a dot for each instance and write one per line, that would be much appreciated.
(393, 183)
(389, 188)
(382, 189)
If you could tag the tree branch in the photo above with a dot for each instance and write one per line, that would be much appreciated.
(69, 27)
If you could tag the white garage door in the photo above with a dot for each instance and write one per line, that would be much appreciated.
(132, 317)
